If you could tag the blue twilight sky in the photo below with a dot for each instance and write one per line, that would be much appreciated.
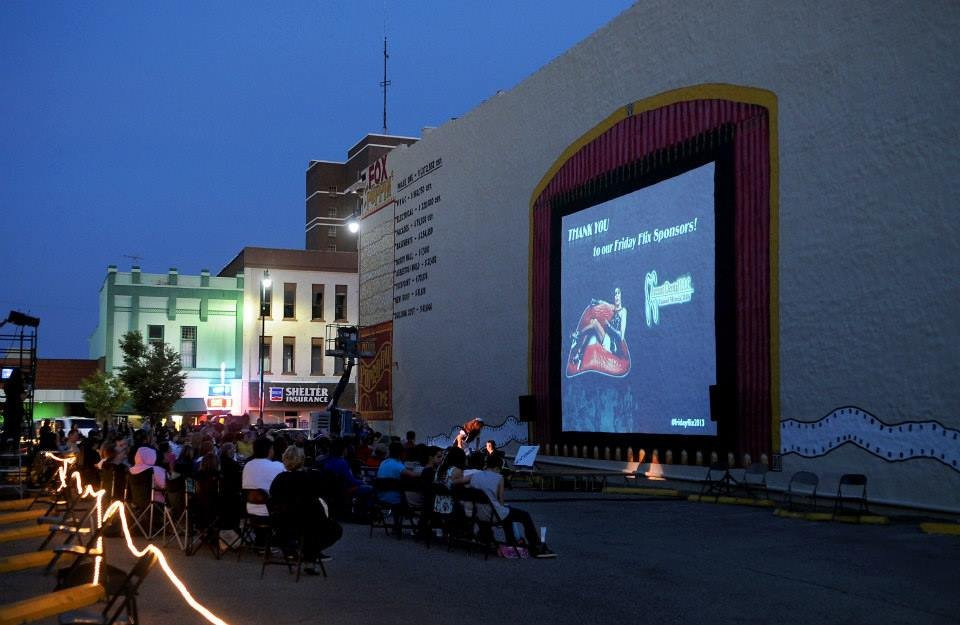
(181, 131)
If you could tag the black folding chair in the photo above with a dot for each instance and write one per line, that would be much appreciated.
(252, 525)
(81, 553)
(122, 590)
(852, 488)
(803, 486)
(382, 509)
(74, 519)
(754, 482)
(480, 518)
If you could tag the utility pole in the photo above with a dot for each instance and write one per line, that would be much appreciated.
(385, 83)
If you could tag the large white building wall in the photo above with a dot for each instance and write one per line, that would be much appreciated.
(868, 246)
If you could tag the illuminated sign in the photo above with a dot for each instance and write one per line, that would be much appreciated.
(276, 393)
(219, 390)
(219, 403)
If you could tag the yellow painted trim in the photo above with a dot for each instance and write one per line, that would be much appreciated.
(57, 602)
(21, 533)
(860, 519)
(20, 515)
(737, 501)
(22, 561)
(629, 490)
(707, 91)
(951, 529)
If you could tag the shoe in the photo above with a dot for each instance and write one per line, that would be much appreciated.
(325, 558)
(544, 552)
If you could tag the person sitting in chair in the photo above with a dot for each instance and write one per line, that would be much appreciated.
(491, 482)
(301, 512)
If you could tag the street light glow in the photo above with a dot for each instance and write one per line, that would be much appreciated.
(353, 226)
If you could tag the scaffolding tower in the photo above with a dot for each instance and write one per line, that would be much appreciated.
(18, 350)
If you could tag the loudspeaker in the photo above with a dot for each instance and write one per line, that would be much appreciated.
(718, 403)
(528, 407)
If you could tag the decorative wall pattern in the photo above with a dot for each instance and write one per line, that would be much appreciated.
(510, 430)
(850, 425)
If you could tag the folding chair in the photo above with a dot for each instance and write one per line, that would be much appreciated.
(415, 501)
(81, 553)
(443, 511)
(140, 502)
(381, 509)
(175, 513)
(253, 524)
(803, 484)
(122, 590)
(285, 542)
(204, 503)
(480, 518)
(755, 480)
(76, 515)
(851, 482)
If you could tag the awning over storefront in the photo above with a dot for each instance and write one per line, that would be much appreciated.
(184, 405)
(189, 405)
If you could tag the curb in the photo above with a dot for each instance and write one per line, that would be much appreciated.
(946, 529)
(857, 519)
(632, 490)
(736, 501)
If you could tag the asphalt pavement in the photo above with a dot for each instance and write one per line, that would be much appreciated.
(621, 560)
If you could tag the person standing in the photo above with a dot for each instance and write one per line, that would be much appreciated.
(14, 389)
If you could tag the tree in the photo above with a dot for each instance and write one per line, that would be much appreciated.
(103, 394)
(153, 375)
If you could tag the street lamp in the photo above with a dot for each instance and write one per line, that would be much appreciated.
(264, 285)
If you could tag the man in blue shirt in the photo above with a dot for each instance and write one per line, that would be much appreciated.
(392, 468)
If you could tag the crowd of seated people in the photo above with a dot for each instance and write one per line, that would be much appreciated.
(318, 483)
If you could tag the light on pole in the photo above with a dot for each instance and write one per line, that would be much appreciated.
(264, 285)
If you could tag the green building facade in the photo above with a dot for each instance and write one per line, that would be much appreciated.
(200, 317)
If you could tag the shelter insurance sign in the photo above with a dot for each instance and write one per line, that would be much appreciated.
(300, 395)
(376, 374)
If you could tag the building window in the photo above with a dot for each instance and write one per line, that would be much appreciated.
(266, 355)
(317, 302)
(316, 356)
(332, 212)
(289, 300)
(289, 346)
(341, 303)
(155, 336)
(188, 347)
(338, 366)
(332, 245)
(266, 308)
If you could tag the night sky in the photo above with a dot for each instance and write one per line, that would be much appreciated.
(180, 132)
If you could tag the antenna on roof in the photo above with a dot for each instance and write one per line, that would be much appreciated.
(133, 257)
(385, 83)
